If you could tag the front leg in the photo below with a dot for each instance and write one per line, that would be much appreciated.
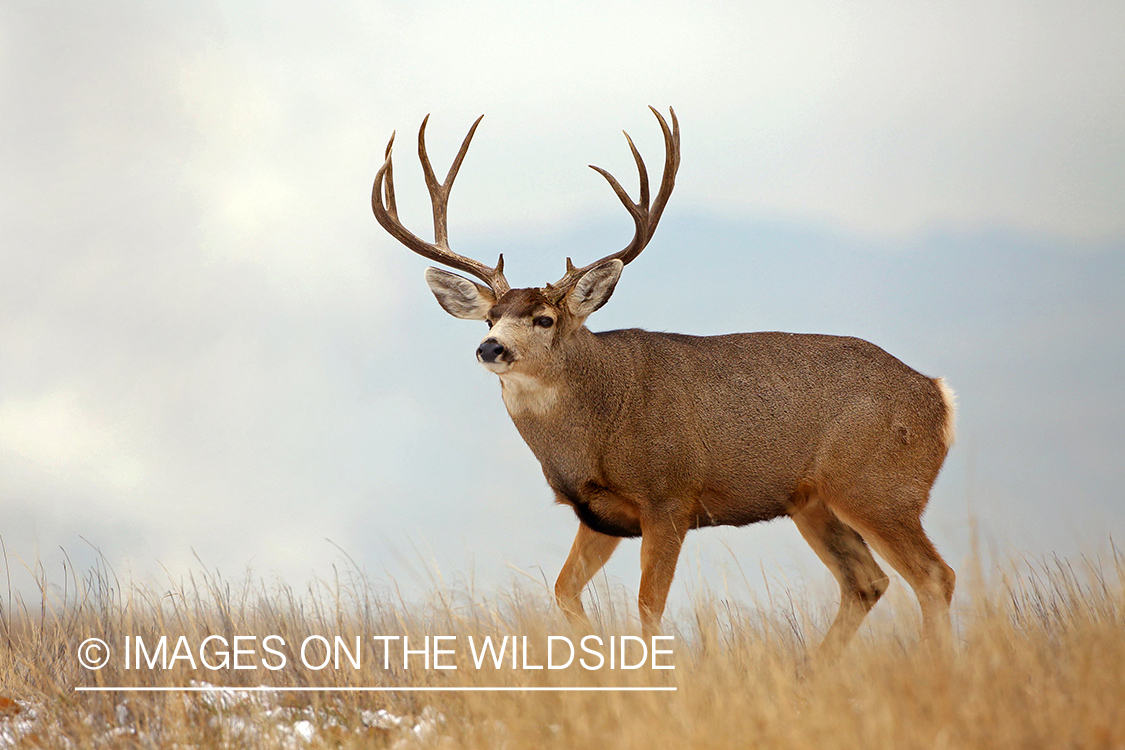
(590, 551)
(661, 540)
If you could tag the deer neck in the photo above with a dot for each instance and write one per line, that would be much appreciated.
(530, 395)
(566, 415)
(575, 380)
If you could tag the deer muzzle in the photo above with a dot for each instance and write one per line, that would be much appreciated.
(490, 351)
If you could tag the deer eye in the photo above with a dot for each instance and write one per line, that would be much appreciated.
(489, 324)
(544, 321)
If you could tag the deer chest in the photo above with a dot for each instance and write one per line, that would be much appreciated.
(598, 506)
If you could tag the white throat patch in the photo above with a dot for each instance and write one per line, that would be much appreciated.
(524, 393)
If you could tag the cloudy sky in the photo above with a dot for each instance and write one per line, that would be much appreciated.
(208, 347)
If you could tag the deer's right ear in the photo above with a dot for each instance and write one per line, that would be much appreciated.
(458, 296)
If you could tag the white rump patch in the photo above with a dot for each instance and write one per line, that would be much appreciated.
(949, 398)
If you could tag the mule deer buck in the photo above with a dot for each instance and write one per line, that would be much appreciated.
(652, 434)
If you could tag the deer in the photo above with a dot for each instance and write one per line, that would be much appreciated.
(653, 434)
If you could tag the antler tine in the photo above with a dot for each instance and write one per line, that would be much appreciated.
(642, 170)
(439, 194)
(438, 250)
(671, 164)
(644, 216)
(392, 209)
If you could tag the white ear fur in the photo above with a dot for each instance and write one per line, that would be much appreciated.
(594, 288)
(458, 296)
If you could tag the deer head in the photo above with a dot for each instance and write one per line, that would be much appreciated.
(524, 324)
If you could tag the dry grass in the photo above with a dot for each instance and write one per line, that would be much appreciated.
(1040, 663)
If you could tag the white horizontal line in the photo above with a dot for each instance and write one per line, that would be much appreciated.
(265, 689)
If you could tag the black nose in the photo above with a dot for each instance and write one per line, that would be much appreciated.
(490, 351)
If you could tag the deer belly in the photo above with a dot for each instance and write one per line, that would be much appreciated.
(740, 507)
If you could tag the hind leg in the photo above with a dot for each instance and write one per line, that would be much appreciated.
(895, 532)
(861, 579)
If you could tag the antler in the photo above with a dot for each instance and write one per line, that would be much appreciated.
(644, 216)
(438, 250)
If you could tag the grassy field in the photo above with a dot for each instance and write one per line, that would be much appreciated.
(1040, 663)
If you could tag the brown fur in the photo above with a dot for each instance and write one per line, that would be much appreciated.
(652, 434)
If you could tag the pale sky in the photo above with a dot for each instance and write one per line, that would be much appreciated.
(208, 346)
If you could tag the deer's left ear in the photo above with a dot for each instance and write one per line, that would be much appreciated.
(594, 288)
